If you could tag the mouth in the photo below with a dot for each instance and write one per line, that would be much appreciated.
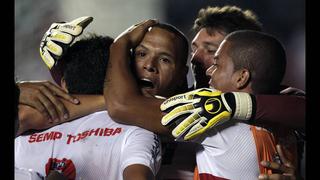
(146, 83)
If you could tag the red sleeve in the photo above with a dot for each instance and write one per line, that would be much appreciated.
(282, 110)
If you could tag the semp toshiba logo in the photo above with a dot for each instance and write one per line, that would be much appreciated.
(56, 135)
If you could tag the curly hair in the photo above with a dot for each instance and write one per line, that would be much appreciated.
(227, 19)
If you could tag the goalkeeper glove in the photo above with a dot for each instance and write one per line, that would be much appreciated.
(206, 108)
(58, 37)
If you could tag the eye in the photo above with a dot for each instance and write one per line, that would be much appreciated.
(165, 60)
(211, 51)
(139, 54)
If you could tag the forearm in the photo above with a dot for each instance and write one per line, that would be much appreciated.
(30, 118)
(283, 110)
(88, 104)
(137, 172)
(125, 102)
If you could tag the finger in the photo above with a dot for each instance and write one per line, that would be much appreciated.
(82, 21)
(275, 166)
(273, 177)
(58, 105)
(185, 125)
(49, 107)
(203, 125)
(61, 93)
(76, 26)
(47, 58)
(175, 113)
(39, 107)
(59, 36)
(282, 156)
(177, 100)
(146, 24)
(53, 48)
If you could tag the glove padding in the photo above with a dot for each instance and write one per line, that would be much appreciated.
(59, 36)
(206, 108)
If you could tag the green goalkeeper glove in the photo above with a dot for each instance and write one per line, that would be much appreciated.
(58, 37)
(205, 108)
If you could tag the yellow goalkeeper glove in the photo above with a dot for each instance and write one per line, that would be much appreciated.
(58, 37)
(205, 108)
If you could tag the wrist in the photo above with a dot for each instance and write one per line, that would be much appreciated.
(241, 104)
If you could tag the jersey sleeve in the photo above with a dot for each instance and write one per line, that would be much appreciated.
(141, 147)
(287, 110)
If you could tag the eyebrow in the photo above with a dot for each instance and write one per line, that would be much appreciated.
(162, 53)
(211, 44)
(206, 43)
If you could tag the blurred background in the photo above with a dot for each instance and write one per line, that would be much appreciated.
(285, 19)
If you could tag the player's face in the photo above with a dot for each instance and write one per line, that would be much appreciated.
(158, 63)
(222, 73)
(204, 46)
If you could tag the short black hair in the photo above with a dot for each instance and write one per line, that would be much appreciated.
(86, 63)
(260, 53)
(227, 19)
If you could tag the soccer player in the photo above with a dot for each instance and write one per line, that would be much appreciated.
(241, 65)
(93, 146)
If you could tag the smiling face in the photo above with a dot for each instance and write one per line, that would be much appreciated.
(158, 63)
(204, 46)
(221, 72)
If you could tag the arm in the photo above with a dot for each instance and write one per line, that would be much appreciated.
(30, 118)
(137, 172)
(125, 102)
(42, 95)
(281, 110)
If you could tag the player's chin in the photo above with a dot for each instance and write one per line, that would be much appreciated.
(148, 92)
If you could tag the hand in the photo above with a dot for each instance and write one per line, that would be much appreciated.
(205, 108)
(43, 96)
(286, 170)
(134, 34)
(58, 37)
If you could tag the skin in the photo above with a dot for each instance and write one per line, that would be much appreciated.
(41, 95)
(222, 74)
(144, 110)
(223, 77)
(156, 59)
(287, 168)
(203, 48)
(121, 88)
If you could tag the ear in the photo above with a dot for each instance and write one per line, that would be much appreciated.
(64, 85)
(243, 78)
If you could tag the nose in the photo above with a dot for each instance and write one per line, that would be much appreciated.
(210, 70)
(196, 57)
(150, 66)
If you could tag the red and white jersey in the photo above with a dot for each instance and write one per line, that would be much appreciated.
(230, 151)
(91, 147)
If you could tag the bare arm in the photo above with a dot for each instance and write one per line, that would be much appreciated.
(125, 103)
(137, 172)
(30, 118)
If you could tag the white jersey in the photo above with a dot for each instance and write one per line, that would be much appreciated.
(229, 151)
(26, 174)
(91, 147)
